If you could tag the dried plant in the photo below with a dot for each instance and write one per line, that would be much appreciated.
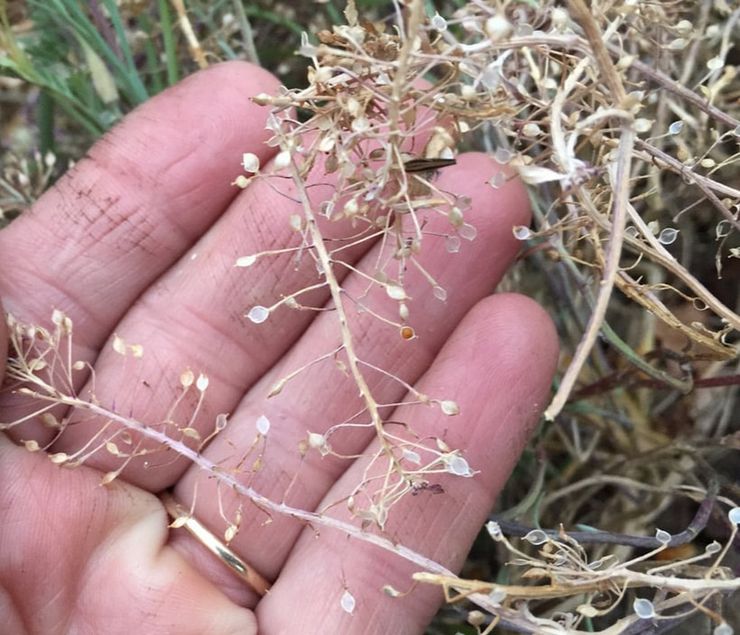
(624, 117)
(22, 182)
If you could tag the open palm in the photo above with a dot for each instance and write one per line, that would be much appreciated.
(140, 239)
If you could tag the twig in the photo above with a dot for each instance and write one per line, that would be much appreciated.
(619, 216)
(697, 524)
(187, 29)
(677, 89)
(687, 172)
(701, 182)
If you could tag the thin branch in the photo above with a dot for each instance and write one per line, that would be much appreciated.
(619, 218)
(697, 525)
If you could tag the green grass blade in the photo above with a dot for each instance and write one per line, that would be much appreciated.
(170, 47)
(132, 73)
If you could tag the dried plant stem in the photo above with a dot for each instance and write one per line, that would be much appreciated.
(705, 184)
(695, 527)
(346, 335)
(615, 577)
(620, 202)
(187, 29)
(481, 594)
(603, 480)
(686, 171)
(665, 259)
(661, 377)
(680, 91)
(416, 8)
(611, 269)
(229, 480)
(573, 42)
(596, 38)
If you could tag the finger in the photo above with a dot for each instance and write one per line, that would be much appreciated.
(80, 558)
(498, 365)
(325, 396)
(127, 211)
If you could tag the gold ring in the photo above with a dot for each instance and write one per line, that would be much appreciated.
(183, 518)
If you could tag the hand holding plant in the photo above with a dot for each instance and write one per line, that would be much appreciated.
(136, 247)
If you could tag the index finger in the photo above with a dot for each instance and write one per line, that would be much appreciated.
(143, 194)
(140, 199)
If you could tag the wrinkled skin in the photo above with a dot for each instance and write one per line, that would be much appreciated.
(140, 239)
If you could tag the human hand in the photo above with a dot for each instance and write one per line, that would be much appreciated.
(140, 239)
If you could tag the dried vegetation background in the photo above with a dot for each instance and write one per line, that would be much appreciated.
(624, 118)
